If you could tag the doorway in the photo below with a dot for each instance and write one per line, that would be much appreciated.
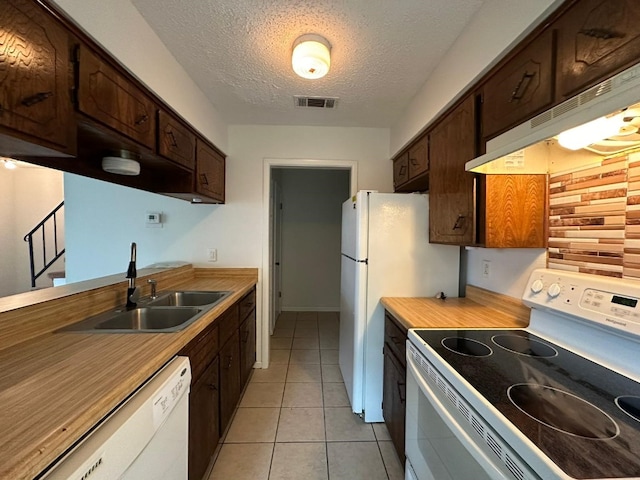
(280, 290)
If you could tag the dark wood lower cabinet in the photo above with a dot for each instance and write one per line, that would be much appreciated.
(204, 431)
(394, 392)
(247, 347)
(230, 387)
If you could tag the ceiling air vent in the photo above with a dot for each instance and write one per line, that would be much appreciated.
(315, 102)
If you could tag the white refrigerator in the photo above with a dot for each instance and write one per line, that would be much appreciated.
(385, 253)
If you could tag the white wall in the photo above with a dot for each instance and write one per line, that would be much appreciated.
(497, 25)
(509, 268)
(120, 29)
(27, 195)
(311, 233)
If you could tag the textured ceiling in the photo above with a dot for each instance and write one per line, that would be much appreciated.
(239, 53)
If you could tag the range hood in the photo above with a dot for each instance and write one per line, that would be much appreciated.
(508, 153)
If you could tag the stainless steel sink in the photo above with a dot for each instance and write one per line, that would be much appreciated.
(188, 299)
(170, 312)
(149, 319)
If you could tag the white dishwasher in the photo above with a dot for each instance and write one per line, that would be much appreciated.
(145, 438)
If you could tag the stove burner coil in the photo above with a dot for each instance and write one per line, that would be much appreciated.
(629, 405)
(562, 411)
(522, 345)
(466, 346)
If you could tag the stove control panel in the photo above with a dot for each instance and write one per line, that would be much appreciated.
(610, 301)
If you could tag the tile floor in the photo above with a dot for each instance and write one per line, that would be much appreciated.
(294, 420)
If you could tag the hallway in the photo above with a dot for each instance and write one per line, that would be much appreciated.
(294, 420)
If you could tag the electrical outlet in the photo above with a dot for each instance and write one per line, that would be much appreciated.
(212, 255)
(486, 268)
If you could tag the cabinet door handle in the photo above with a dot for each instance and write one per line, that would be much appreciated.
(523, 85)
(37, 98)
(230, 361)
(413, 161)
(203, 179)
(212, 386)
(400, 385)
(142, 119)
(172, 139)
(458, 223)
(601, 33)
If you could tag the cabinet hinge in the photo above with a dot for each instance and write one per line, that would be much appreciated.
(279, 294)
(280, 206)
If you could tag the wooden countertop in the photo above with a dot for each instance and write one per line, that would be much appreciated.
(480, 309)
(57, 386)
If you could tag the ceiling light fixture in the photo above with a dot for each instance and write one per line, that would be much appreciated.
(9, 163)
(121, 163)
(311, 56)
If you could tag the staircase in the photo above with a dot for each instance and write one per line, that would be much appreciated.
(45, 232)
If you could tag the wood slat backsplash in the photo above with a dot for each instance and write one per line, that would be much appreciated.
(594, 218)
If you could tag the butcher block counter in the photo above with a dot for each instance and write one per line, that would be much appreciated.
(54, 387)
(480, 308)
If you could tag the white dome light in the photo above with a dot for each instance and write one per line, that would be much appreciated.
(311, 56)
(590, 132)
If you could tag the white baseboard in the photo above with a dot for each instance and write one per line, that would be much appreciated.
(310, 309)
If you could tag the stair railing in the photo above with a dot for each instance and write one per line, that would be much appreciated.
(40, 229)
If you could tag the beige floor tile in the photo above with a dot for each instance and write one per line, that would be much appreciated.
(301, 425)
(263, 395)
(305, 343)
(329, 357)
(287, 322)
(305, 356)
(279, 356)
(253, 425)
(344, 426)
(280, 343)
(326, 317)
(275, 373)
(296, 461)
(331, 374)
(329, 340)
(307, 317)
(306, 332)
(302, 395)
(392, 463)
(335, 395)
(381, 432)
(243, 461)
(304, 372)
(355, 461)
(282, 333)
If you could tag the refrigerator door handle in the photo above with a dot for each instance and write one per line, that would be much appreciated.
(365, 261)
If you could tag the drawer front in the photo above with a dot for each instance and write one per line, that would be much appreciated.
(175, 141)
(395, 338)
(202, 350)
(228, 323)
(520, 89)
(110, 98)
(247, 304)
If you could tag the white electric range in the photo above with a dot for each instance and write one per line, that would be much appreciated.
(559, 399)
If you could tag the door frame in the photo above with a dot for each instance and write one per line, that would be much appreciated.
(268, 165)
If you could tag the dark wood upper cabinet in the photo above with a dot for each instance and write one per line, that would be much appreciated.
(210, 172)
(411, 168)
(108, 97)
(400, 170)
(175, 140)
(521, 88)
(596, 39)
(35, 99)
(452, 204)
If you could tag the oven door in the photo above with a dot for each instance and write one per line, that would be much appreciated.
(437, 446)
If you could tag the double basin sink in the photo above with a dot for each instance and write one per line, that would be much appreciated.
(169, 312)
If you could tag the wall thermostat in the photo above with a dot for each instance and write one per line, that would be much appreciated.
(153, 219)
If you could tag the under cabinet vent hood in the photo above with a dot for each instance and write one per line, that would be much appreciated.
(615, 96)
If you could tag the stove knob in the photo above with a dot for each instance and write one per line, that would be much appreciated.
(537, 286)
(554, 290)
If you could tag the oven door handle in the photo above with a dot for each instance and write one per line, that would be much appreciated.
(464, 438)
